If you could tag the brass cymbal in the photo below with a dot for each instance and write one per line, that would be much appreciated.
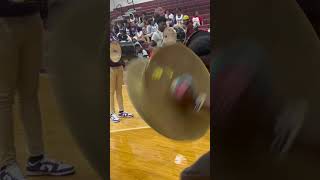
(115, 51)
(149, 89)
(169, 36)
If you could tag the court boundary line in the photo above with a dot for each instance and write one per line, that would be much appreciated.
(130, 129)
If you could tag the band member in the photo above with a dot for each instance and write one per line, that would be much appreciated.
(21, 48)
(116, 82)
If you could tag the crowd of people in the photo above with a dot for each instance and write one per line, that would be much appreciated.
(146, 32)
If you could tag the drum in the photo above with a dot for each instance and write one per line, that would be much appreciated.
(128, 50)
(196, 36)
(181, 34)
(199, 42)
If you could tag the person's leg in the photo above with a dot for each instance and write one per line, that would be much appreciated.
(8, 75)
(200, 170)
(9, 56)
(28, 82)
(112, 89)
(119, 83)
(113, 81)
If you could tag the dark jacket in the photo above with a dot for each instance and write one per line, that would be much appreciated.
(11, 9)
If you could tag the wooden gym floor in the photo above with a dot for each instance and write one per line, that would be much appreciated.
(140, 153)
(137, 152)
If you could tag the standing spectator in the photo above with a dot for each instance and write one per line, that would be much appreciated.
(21, 48)
(157, 37)
(197, 20)
(179, 17)
(116, 82)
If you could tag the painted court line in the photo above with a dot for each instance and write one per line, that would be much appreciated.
(129, 129)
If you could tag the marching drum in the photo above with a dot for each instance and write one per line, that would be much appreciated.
(181, 34)
(199, 42)
(128, 50)
(204, 35)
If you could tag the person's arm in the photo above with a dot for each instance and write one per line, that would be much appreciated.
(129, 38)
(145, 54)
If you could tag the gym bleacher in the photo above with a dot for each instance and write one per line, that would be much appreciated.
(188, 7)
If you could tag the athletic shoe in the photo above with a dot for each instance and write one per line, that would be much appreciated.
(11, 172)
(124, 114)
(47, 167)
(114, 118)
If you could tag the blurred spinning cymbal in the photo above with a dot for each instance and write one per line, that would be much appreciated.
(149, 89)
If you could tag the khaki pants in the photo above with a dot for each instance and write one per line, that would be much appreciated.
(20, 61)
(116, 82)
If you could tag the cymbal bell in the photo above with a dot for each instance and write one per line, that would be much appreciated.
(169, 36)
(149, 89)
(115, 51)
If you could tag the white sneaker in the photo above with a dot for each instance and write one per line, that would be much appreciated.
(11, 172)
(114, 118)
(48, 167)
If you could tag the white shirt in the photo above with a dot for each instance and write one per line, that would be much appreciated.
(139, 34)
(133, 19)
(171, 16)
(196, 21)
(143, 54)
(158, 38)
(179, 19)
